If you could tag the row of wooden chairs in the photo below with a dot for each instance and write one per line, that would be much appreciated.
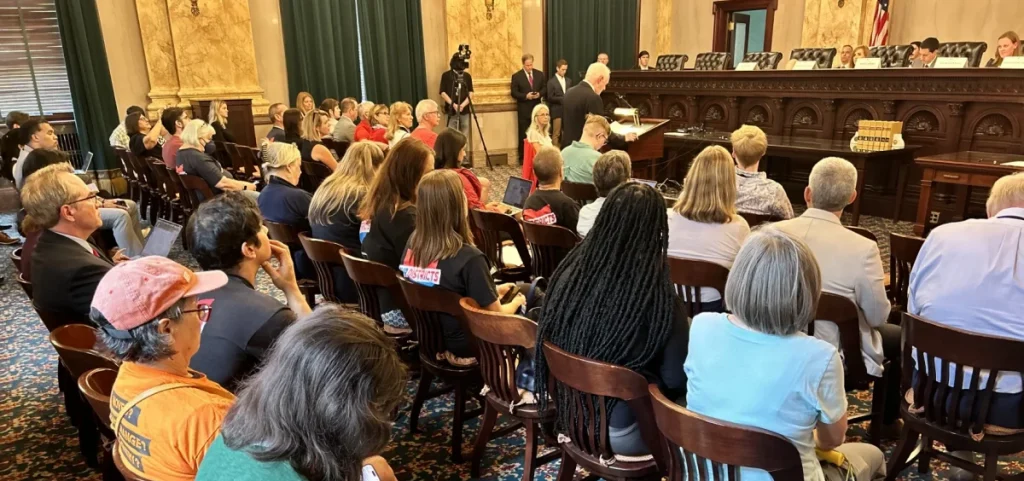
(240, 160)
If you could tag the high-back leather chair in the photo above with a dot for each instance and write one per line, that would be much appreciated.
(972, 51)
(672, 61)
(823, 56)
(893, 56)
(765, 60)
(713, 61)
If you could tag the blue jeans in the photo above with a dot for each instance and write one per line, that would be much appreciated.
(125, 225)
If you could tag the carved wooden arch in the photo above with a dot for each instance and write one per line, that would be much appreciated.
(714, 111)
(753, 113)
(911, 118)
(847, 111)
(1011, 120)
(676, 111)
(797, 107)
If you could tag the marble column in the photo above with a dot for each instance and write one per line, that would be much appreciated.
(197, 57)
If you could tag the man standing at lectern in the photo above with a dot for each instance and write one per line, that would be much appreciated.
(529, 86)
(584, 99)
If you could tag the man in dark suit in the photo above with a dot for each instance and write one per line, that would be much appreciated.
(585, 99)
(529, 86)
(65, 267)
(927, 54)
(557, 87)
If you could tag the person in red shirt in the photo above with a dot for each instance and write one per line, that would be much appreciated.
(429, 117)
(449, 151)
(363, 129)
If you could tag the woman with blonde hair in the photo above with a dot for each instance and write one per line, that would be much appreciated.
(703, 224)
(218, 119)
(334, 212)
(442, 244)
(400, 123)
(539, 131)
(860, 52)
(304, 102)
(1007, 46)
(314, 128)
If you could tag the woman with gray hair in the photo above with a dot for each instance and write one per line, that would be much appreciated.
(319, 408)
(193, 160)
(757, 367)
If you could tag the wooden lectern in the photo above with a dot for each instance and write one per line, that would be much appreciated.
(648, 147)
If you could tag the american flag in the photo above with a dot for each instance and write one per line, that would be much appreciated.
(880, 34)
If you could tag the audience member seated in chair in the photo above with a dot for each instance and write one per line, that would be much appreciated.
(334, 209)
(703, 225)
(548, 205)
(399, 123)
(320, 408)
(174, 121)
(581, 155)
(66, 267)
(611, 300)
(32, 134)
(1008, 45)
(613, 168)
(967, 276)
(850, 267)
(390, 210)
(427, 117)
(845, 58)
(756, 367)
(449, 152)
(144, 136)
(927, 54)
(227, 234)
(282, 200)
(193, 160)
(218, 119)
(313, 128)
(440, 253)
(165, 415)
(755, 192)
(345, 129)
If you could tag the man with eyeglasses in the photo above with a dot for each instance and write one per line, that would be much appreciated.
(428, 117)
(227, 233)
(66, 267)
(580, 156)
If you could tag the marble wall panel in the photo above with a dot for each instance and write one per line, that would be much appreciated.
(268, 46)
(213, 50)
(497, 44)
(158, 46)
(826, 24)
(122, 41)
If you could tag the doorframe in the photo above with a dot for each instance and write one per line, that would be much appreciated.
(722, 9)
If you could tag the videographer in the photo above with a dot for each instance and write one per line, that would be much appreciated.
(457, 91)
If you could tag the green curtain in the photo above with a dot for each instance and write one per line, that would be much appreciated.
(392, 37)
(321, 48)
(578, 30)
(92, 93)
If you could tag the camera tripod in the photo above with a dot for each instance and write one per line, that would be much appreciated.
(459, 83)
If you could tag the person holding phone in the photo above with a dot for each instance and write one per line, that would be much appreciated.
(440, 253)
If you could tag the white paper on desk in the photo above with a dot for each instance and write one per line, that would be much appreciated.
(1015, 163)
(623, 129)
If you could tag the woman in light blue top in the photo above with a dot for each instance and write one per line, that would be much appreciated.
(757, 367)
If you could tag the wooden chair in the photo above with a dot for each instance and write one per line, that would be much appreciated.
(582, 193)
(147, 194)
(549, 244)
(196, 188)
(96, 386)
(494, 227)
(690, 275)
(25, 285)
(119, 463)
(369, 278)
(337, 148)
(754, 220)
(903, 252)
(955, 417)
(128, 172)
(287, 234)
(244, 168)
(863, 232)
(725, 445)
(426, 306)
(16, 259)
(326, 258)
(844, 314)
(313, 174)
(221, 155)
(167, 191)
(587, 386)
(502, 342)
(76, 347)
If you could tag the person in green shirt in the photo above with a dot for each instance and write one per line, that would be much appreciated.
(319, 408)
(580, 156)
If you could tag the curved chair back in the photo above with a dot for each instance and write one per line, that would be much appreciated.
(96, 386)
(722, 446)
(823, 56)
(337, 148)
(713, 61)
(550, 244)
(690, 275)
(581, 192)
(893, 56)
(754, 220)
(25, 285)
(764, 60)
(493, 228)
(16, 259)
(844, 314)
(587, 387)
(325, 256)
(369, 276)
(314, 174)
(903, 252)
(501, 342)
(427, 305)
(972, 51)
(672, 61)
(284, 233)
(863, 232)
(76, 347)
(196, 188)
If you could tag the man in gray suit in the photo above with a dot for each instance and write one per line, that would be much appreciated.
(927, 54)
(557, 86)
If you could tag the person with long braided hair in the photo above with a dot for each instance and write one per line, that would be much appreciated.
(611, 300)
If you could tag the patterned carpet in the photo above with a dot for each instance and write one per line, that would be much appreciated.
(37, 442)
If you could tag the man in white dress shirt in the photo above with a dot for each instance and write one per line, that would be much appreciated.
(968, 276)
(851, 266)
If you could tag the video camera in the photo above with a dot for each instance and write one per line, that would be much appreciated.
(460, 61)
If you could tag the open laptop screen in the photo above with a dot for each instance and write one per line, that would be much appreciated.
(517, 191)
(161, 238)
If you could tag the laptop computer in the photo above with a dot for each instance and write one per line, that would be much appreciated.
(85, 164)
(516, 192)
(161, 238)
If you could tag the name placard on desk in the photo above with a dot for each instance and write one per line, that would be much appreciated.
(750, 66)
(868, 63)
(806, 65)
(1012, 62)
(951, 62)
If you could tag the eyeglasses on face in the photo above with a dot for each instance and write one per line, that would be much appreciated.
(93, 197)
(203, 311)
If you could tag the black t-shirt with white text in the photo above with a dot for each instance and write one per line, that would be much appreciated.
(551, 207)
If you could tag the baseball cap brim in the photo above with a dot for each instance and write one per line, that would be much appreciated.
(207, 281)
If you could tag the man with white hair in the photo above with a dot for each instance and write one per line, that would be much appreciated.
(967, 276)
(428, 116)
(851, 266)
(585, 99)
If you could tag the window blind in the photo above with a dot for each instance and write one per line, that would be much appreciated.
(33, 76)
